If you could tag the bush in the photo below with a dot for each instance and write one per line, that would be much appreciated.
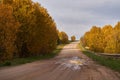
(7, 63)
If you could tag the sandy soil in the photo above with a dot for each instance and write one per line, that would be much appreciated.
(49, 70)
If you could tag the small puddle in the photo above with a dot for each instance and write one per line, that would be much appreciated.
(74, 63)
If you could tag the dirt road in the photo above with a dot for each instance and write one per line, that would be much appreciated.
(58, 69)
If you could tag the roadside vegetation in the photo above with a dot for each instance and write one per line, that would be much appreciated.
(63, 38)
(105, 61)
(103, 40)
(27, 32)
(19, 61)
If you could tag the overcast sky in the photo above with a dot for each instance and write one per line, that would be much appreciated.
(75, 17)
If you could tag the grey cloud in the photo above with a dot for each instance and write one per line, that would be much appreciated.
(78, 16)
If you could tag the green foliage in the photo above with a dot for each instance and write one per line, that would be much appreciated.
(105, 40)
(7, 63)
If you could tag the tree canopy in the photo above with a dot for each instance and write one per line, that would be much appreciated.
(26, 29)
(73, 38)
(106, 39)
(63, 37)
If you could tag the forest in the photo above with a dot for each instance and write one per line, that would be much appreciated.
(103, 40)
(27, 29)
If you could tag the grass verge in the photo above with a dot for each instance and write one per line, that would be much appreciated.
(19, 61)
(105, 61)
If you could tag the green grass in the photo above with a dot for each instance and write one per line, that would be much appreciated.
(105, 61)
(19, 61)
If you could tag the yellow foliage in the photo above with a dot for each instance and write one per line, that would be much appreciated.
(26, 29)
(73, 38)
(105, 40)
(63, 37)
(8, 29)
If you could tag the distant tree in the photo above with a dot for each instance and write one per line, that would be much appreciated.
(73, 38)
(63, 37)
(58, 37)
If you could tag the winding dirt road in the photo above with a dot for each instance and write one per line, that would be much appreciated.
(49, 70)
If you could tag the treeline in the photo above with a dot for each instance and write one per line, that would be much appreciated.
(73, 38)
(105, 40)
(62, 38)
(26, 29)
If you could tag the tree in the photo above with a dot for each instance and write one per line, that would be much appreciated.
(8, 29)
(44, 34)
(73, 38)
(107, 31)
(58, 39)
(63, 37)
(105, 40)
(113, 40)
(7, 1)
(112, 44)
(23, 12)
(37, 28)
(94, 39)
(36, 34)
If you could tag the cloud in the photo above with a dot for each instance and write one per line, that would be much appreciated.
(78, 16)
